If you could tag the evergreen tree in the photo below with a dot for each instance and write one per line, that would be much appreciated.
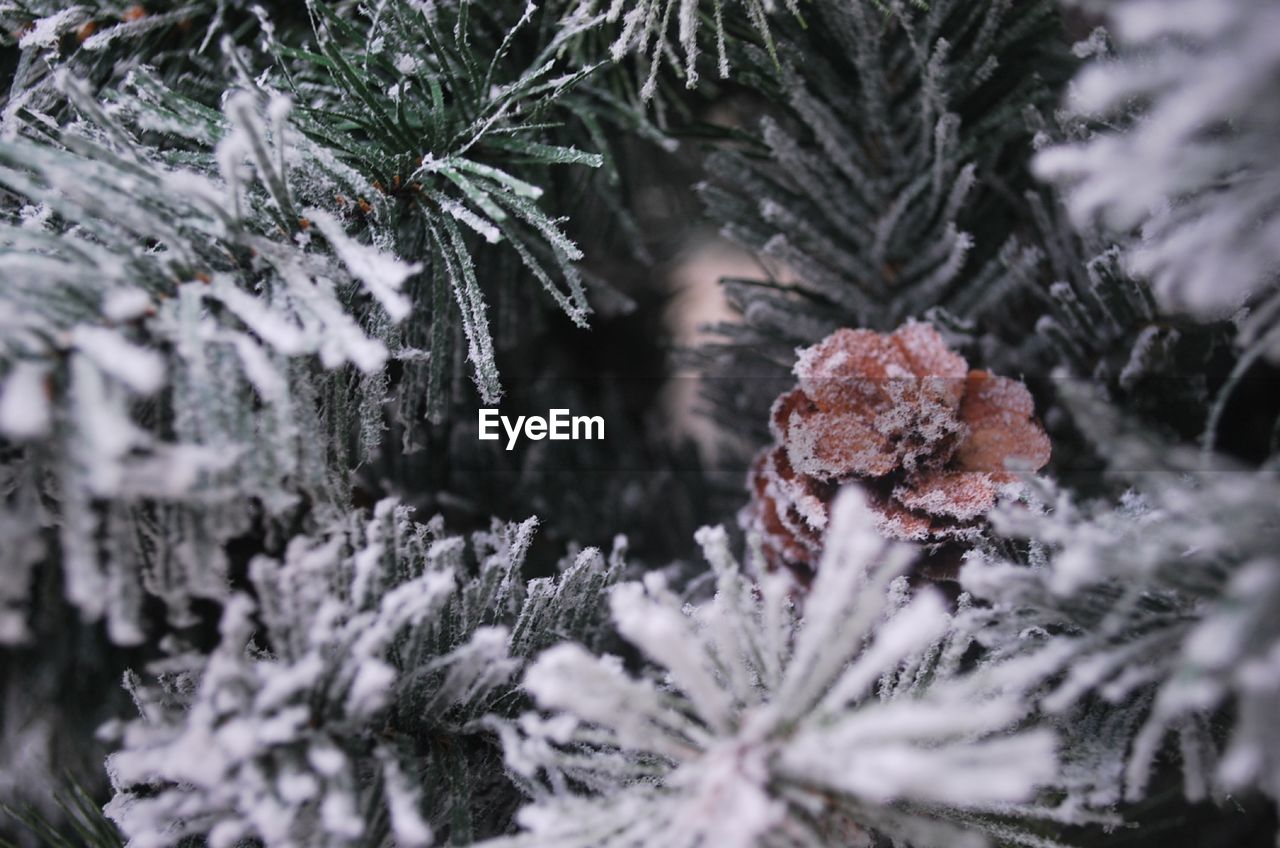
(998, 420)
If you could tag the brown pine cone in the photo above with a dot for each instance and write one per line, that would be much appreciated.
(904, 417)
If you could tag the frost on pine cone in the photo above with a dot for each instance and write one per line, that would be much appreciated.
(903, 416)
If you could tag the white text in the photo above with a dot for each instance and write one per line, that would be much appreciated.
(559, 425)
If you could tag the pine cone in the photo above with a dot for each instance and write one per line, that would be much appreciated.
(904, 417)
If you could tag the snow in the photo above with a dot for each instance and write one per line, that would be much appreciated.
(140, 369)
(488, 231)
(340, 816)
(765, 718)
(260, 371)
(382, 274)
(1202, 199)
(126, 304)
(370, 689)
(48, 30)
(407, 823)
(271, 326)
(35, 216)
(25, 411)
(728, 800)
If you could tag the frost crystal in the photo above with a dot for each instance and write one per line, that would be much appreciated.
(644, 28)
(1161, 606)
(763, 730)
(327, 693)
(1194, 165)
(24, 403)
(204, 323)
(901, 414)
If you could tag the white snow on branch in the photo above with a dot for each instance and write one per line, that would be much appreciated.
(327, 692)
(140, 369)
(46, 31)
(382, 274)
(1193, 168)
(1161, 608)
(24, 402)
(763, 724)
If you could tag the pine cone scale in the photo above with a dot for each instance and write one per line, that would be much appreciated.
(902, 416)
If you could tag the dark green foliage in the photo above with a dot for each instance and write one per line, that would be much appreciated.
(880, 181)
(81, 825)
(337, 228)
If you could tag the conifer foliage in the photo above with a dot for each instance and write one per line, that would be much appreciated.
(1006, 569)
(832, 727)
(876, 184)
(362, 668)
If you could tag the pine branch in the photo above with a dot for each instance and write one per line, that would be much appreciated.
(256, 244)
(345, 701)
(1182, 155)
(85, 825)
(644, 28)
(404, 98)
(876, 185)
(136, 273)
(101, 41)
(758, 727)
(1159, 607)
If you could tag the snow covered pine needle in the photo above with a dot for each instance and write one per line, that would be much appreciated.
(769, 729)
